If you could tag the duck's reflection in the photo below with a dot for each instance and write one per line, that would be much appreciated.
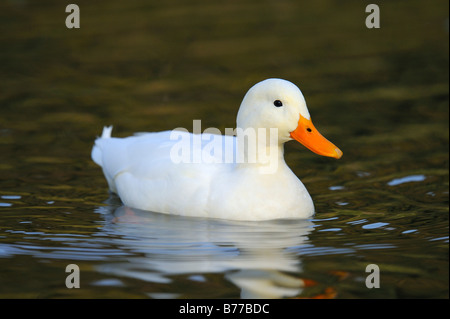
(254, 256)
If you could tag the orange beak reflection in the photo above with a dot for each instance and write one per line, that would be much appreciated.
(307, 134)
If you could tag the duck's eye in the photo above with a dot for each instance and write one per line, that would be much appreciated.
(277, 103)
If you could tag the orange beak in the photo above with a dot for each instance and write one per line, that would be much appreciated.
(307, 134)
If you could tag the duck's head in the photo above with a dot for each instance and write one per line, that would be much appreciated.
(277, 103)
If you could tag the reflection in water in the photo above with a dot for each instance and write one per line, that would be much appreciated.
(253, 255)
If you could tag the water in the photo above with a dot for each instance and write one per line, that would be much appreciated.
(379, 95)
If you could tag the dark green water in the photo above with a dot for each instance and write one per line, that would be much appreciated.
(381, 95)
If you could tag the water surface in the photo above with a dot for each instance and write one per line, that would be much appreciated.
(379, 95)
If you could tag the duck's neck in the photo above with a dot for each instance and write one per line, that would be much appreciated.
(260, 149)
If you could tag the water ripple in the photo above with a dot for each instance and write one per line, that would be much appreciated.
(406, 179)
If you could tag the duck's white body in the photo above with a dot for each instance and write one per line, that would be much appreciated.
(142, 170)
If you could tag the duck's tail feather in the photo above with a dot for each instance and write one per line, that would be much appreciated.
(107, 131)
(96, 151)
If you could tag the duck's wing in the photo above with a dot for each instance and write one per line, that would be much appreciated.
(172, 155)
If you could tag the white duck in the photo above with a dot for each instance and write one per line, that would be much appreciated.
(147, 173)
